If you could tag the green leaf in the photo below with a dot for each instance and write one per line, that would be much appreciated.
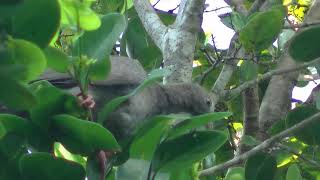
(98, 44)
(37, 21)
(234, 21)
(187, 149)
(52, 101)
(28, 55)
(16, 95)
(39, 166)
(249, 140)
(9, 7)
(75, 12)
(261, 166)
(60, 151)
(83, 137)
(114, 104)
(196, 122)
(136, 169)
(309, 134)
(293, 173)
(235, 173)
(248, 71)
(56, 59)
(304, 46)
(138, 45)
(277, 127)
(149, 135)
(262, 29)
(14, 137)
(13, 124)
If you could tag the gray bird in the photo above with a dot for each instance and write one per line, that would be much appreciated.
(126, 74)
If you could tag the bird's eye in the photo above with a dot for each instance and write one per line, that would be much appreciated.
(208, 101)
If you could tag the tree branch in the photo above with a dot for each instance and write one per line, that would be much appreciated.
(151, 21)
(277, 99)
(268, 75)
(190, 14)
(264, 145)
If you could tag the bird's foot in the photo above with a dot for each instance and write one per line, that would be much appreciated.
(86, 100)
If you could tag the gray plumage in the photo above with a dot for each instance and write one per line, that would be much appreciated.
(126, 74)
(153, 100)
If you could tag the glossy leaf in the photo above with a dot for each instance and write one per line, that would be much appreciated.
(196, 122)
(52, 101)
(235, 173)
(99, 43)
(260, 167)
(28, 55)
(37, 21)
(304, 46)
(83, 137)
(293, 173)
(149, 135)
(138, 45)
(16, 95)
(187, 149)
(262, 29)
(39, 166)
(56, 59)
(60, 151)
(13, 124)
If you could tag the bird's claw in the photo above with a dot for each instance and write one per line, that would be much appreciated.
(86, 101)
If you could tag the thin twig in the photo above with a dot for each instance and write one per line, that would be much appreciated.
(231, 93)
(211, 10)
(156, 3)
(264, 145)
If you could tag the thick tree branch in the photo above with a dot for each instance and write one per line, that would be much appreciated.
(218, 89)
(151, 21)
(180, 40)
(264, 145)
(268, 75)
(277, 99)
(251, 104)
(190, 15)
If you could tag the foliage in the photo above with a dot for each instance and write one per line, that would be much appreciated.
(77, 37)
